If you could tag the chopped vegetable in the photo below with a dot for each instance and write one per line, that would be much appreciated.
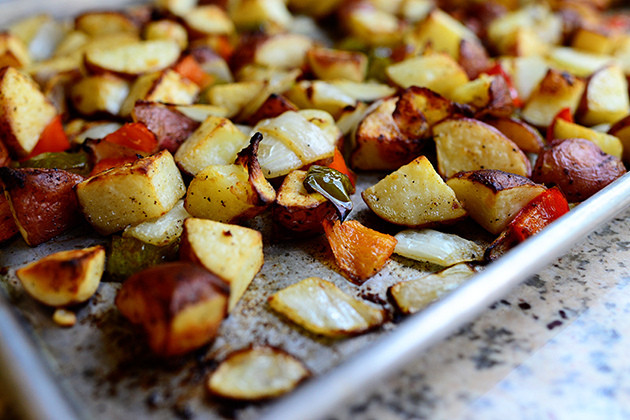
(135, 136)
(436, 247)
(359, 251)
(333, 185)
(52, 139)
(256, 373)
(322, 308)
(127, 256)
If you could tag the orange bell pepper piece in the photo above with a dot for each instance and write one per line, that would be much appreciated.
(359, 251)
(191, 70)
(52, 139)
(135, 136)
(339, 164)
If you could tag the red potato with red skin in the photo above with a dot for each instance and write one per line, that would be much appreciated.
(42, 201)
(578, 167)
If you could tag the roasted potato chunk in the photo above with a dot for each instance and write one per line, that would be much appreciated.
(42, 201)
(132, 59)
(256, 373)
(298, 210)
(438, 72)
(605, 99)
(216, 142)
(492, 197)
(8, 228)
(329, 64)
(578, 167)
(25, 112)
(131, 194)
(608, 143)
(13, 52)
(229, 193)
(162, 86)
(104, 23)
(232, 252)
(103, 94)
(414, 295)
(526, 137)
(414, 195)
(556, 91)
(64, 278)
(465, 144)
(322, 308)
(179, 305)
(379, 142)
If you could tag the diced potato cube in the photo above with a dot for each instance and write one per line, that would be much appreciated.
(131, 194)
(65, 277)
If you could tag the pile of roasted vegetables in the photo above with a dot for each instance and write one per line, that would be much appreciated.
(167, 127)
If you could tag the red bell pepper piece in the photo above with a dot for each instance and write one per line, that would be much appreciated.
(109, 163)
(538, 213)
(339, 164)
(190, 69)
(563, 114)
(135, 136)
(52, 139)
(498, 70)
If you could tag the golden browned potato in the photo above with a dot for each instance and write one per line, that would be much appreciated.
(608, 143)
(379, 142)
(492, 197)
(101, 94)
(179, 305)
(234, 96)
(526, 137)
(605, 99)
(298, 210)
(487, 95)
(438, 72)
(166, 29)
(319, 94)
(331, 64)
(256, 373)
(229, 193)
(130, 194)
(418, 109)
(473, 58)
(232, 252)
(556, 91)
(215, 142)
(414, 195)
(466, 144)
(270, 14)
(162, 86)
(104, 23)
(322, 308)
(42, 201)
(441, 32)
(578, 167)
(132, 59)
(13, 51)
(208, 19)
(170, 126)
(65, 277)
(25, 111)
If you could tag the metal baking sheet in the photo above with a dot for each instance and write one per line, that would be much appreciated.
(101, 367)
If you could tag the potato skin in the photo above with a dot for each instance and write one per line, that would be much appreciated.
(157, 296)
(43, 201)
(578, 167)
